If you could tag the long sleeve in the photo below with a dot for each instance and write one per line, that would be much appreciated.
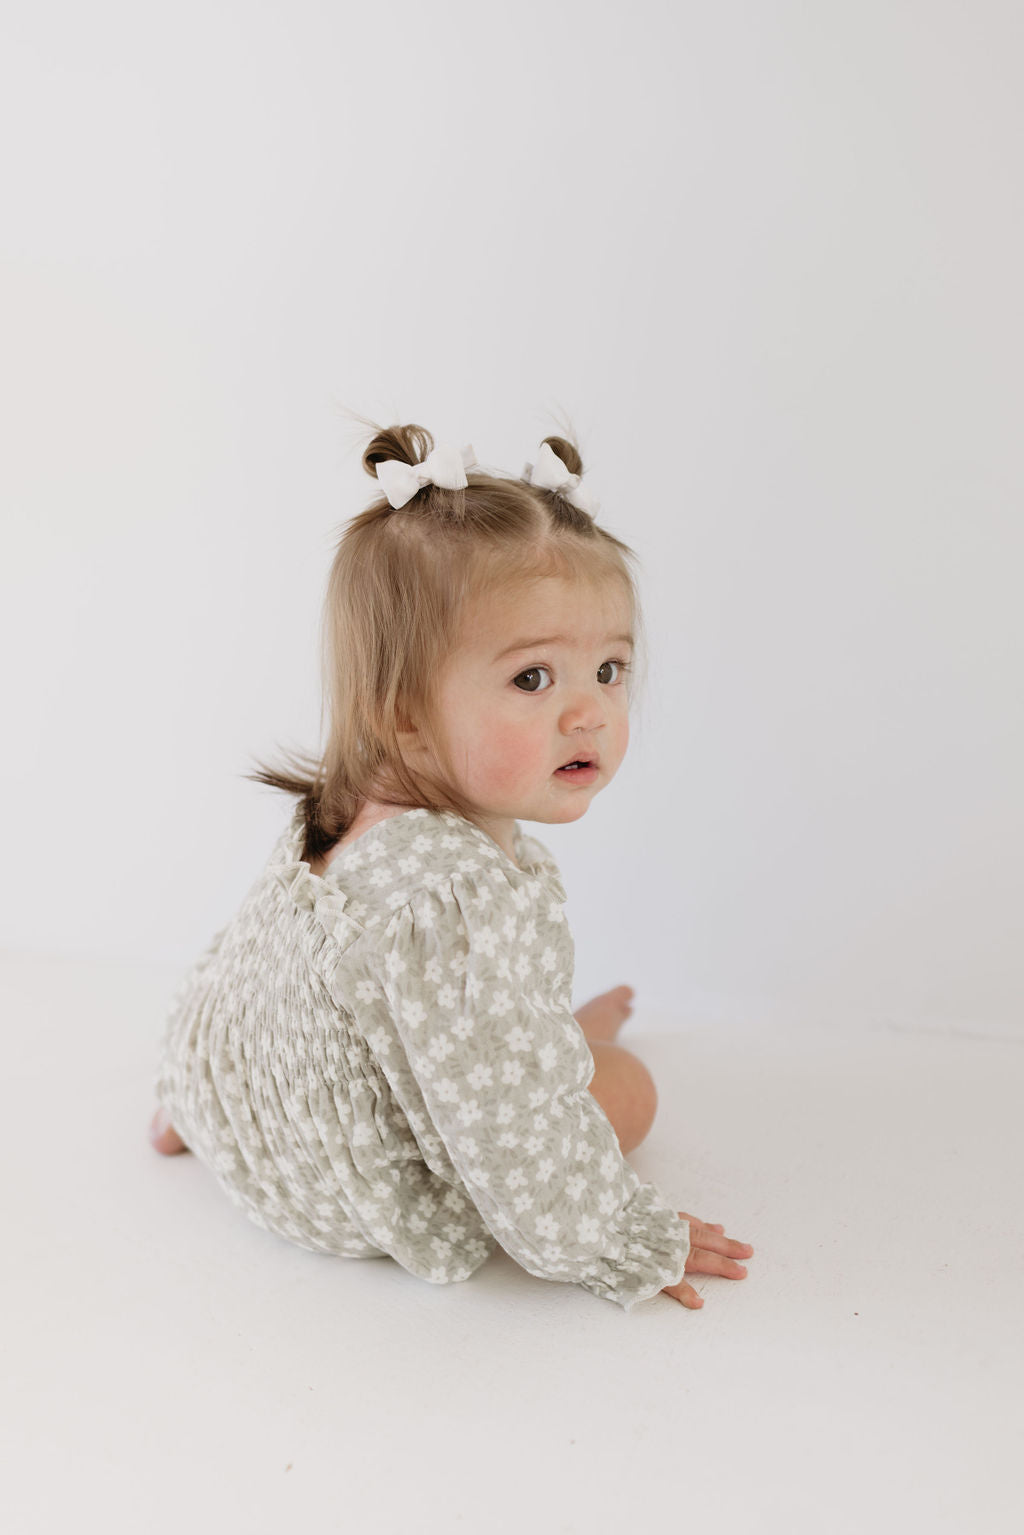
(477, 974)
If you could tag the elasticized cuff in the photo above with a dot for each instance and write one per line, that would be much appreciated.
(655, 1247)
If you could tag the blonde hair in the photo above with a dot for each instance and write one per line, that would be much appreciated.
(398, 588)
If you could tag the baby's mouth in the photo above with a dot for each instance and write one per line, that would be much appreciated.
(578, 765)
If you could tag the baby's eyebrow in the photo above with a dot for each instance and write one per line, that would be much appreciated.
(559, 639)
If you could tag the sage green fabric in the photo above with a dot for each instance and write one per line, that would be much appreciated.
(384, 1062)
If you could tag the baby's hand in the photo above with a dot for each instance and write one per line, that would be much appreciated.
(710, 1253)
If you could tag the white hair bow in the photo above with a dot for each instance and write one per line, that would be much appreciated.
(445, 466)
(550, 473)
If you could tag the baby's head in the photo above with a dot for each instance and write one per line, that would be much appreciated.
(475, 640)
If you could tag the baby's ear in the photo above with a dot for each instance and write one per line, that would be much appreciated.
(404, 725)
(410, 738)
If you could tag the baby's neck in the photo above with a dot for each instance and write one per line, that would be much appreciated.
(369, 814)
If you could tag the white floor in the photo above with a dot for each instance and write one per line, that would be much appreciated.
(170, 1367)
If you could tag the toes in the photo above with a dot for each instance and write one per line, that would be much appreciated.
(170, 1143)
(163, 1135)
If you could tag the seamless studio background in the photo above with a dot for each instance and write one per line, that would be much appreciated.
(769, 271)
(766, 260)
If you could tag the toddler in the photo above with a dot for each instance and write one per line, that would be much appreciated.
(377, 1055)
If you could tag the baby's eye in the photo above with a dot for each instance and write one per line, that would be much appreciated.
(622, 665)
(531, 687)
(535, 671)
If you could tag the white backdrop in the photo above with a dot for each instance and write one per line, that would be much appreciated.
(768, 260)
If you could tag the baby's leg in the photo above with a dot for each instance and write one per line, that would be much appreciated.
(164, 1136)
(625, 1090)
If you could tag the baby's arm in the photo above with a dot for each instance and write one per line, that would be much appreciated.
(504, 1070)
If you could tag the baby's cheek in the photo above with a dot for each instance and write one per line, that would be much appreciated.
(511, 760)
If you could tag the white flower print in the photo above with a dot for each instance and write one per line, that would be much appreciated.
(519, 1038)
(485, 941)
(413, 1014)
(394, 964)
(474, 986)
(608, 1203)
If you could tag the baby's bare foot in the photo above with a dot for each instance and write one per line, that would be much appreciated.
(602, 1017)
(164, 1136)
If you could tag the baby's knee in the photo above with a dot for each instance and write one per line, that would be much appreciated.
(645, 1095)
(626, 1092)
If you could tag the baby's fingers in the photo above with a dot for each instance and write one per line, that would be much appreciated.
(701, 1261)
(712, 1239)
(685, 1293)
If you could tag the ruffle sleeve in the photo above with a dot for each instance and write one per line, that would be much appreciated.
(477, 973)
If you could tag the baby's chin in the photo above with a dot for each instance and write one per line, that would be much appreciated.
(562, 806)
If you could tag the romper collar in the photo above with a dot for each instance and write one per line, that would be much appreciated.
(323, 892)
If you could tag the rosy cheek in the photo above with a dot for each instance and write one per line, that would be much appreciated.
(510, 757)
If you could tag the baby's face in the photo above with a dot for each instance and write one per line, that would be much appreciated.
(511, 720)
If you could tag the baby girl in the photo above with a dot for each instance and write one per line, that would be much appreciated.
(377, 1056)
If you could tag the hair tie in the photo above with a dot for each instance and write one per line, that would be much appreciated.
(550, 473)
(445, 466)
